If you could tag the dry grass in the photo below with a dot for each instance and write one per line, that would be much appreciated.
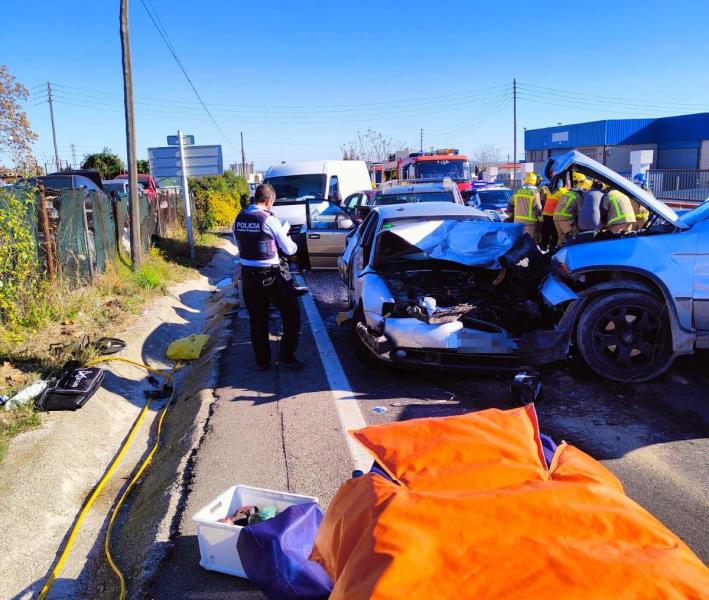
(64, 314)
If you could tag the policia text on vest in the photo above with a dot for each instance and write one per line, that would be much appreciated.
(260, 236)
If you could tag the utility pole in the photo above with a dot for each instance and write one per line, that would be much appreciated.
(54, 131)
(421, 140)
(73, 156)
(186, 197)
(514, 124)
(136, 249)
(243, 157)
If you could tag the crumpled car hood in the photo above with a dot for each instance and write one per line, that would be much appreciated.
(470, 243)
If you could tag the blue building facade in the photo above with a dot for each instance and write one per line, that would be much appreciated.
(680, 142)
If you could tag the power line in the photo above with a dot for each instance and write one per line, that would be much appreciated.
(611, 99)
(171, 48)
(470, 94)
(313, 114)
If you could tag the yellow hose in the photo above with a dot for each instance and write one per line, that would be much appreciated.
(108, 474)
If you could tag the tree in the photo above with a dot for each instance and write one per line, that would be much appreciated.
(105, 162)
(371, 146)
(487, 156)
(16, 135)
(143, 166)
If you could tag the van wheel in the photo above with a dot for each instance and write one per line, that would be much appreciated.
(625, 336)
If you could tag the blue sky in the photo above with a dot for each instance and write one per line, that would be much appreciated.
(300, 78)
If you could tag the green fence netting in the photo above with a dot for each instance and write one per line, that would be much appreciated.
(74, 242)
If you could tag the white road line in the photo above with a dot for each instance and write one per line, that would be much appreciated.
(345, 402)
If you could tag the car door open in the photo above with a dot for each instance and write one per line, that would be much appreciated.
(327, 228)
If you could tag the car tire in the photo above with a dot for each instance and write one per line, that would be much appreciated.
(625, 336)
(363, 353)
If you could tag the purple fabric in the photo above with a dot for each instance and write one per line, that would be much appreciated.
(548, 447)
(275, 554)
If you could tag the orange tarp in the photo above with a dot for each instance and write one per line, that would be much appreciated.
(476, 513)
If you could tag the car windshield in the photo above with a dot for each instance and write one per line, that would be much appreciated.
(298, 186)
(493, 198)
(407, 197)
(694, 216)
(439, 169)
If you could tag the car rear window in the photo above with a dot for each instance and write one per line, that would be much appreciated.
(408, 197)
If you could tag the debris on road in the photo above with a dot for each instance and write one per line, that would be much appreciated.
(343, 317)
(380, 409)
(526, 387)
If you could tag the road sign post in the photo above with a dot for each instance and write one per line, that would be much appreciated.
(186, 197)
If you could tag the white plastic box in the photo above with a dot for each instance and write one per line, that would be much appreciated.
(217, 541)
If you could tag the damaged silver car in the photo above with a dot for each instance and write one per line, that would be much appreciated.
(443, 286)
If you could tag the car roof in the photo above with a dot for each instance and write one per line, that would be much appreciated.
(416, 187)
(428, 209)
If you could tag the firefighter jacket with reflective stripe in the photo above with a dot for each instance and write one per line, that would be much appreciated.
(568, 206)
(618, 207)
(550, 204)
(527, 206)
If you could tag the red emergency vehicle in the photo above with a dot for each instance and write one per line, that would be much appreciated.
(440, 164)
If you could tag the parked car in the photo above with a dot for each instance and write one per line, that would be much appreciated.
(493, 199)
(322, 238)
(354, 201)
(146, 183)
(119, 186)
(413, 192)
(437, 290)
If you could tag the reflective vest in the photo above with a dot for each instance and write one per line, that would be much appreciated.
(620, 210)
(254, 243)
(568, 206)
(524, 200)
(550, 204)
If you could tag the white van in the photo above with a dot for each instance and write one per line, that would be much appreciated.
(296, 182)
(309, 196)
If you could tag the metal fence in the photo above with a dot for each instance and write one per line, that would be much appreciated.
(679, 187)
(78, 233)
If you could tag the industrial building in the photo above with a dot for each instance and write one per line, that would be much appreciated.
(680, 142)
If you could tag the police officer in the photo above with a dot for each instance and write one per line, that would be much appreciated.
(526, 206)
(259, 236)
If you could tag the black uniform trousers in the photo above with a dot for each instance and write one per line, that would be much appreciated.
(261, 288)
(549, 238)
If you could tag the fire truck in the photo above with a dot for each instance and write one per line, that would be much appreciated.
(445, 162)
(375, 172)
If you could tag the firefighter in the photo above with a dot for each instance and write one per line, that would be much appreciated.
(568, 208)
(549, 237)
(589, 217)
(617, 212)
(526, 205)
(642, 214)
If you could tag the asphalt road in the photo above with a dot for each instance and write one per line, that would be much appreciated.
(281, 431)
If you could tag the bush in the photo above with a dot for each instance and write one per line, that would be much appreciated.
(18, 251)
(218, 199)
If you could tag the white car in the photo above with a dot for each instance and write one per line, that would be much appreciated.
(414, 274)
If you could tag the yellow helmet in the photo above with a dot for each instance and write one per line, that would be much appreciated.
(530, 178)
(578, 179)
